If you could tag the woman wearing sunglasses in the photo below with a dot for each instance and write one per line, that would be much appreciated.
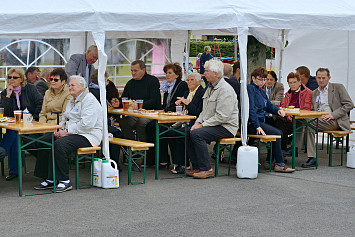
(56, 97)
(18, 95)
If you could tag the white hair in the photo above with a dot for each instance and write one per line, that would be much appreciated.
(196, 75)
(80, 79)
(215, 66)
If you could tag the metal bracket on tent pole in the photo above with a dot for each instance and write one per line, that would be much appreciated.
(187, 50)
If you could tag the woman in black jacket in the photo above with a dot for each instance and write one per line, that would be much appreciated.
(172, 88)
(18, 95)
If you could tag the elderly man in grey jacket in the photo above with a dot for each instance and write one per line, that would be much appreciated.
(82, 64)
(218, 119)
(82, 124)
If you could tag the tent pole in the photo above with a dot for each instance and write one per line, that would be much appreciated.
(86, 41)
(281, 54)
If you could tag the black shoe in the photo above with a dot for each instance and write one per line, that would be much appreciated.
(62, 187)
(44, 185)
(311, 162)
(11, 177)
(288, 152)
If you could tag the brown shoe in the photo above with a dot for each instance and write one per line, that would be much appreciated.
(284, 169)
(267, 166)
(204, 174)
(191, 172)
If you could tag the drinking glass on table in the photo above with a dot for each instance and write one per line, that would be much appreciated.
(1, 112)
(179, 109)
(125, 103)
(17, 114)
(140, 104)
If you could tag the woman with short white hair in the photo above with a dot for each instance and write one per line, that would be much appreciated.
(82, 125)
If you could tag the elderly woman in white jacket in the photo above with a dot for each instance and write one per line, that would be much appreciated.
(82, 125)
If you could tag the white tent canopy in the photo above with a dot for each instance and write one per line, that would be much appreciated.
(264, 19)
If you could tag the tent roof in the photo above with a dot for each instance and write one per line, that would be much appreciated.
(36, 16)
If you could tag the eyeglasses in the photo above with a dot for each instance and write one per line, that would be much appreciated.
(261, 79)
(54, 79)
(13, 77)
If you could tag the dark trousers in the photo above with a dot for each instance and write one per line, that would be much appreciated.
(9, 143)
(276, 146)
(197, 147)
(177, 147)
(114, 149)
(63, 148)
(163, 144)
(43, 156)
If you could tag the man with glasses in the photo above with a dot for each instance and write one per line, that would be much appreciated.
(332, 98)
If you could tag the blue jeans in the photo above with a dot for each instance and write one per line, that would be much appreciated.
(9, 143)
(276, 146)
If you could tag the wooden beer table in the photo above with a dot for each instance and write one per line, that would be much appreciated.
(25, 129)
(160, 121)
(306, 118)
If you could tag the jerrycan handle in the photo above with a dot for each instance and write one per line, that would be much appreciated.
(112, 161)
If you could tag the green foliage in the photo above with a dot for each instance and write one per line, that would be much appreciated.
(226, 48)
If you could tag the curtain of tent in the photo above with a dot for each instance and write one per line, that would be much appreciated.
(99, 38)
(243, 41)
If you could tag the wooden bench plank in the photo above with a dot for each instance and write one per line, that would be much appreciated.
(135, 145)
(338, 133)
(231, 140)
(265, 138)
(88, 150)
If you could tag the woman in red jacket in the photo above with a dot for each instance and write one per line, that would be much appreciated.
(298, 96)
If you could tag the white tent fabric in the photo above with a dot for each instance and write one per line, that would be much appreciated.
(75, 17)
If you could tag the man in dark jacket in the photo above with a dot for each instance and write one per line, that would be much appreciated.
(144, 87)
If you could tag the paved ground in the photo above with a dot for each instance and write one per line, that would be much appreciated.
(306, 203)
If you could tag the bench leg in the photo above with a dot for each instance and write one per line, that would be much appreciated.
(330, 150)
(342, 150)
(259, 154)
(144, 160)
(76, 171)
(216, 164)
(230, 148)
(130, 165)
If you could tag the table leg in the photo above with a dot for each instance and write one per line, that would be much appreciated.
(316, 132)
(156, 150)
(293, 142)
(53, 164)
(19, 158)
(185, 149)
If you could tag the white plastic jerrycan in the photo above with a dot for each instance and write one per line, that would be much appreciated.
(247, 162)
(97, 172)
(27, 116)
(350, 162)
(109, 174)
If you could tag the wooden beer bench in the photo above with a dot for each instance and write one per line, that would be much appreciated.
(338, 136)
(266, 141)
(225, 143)
(136, 150)
(85, 155)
